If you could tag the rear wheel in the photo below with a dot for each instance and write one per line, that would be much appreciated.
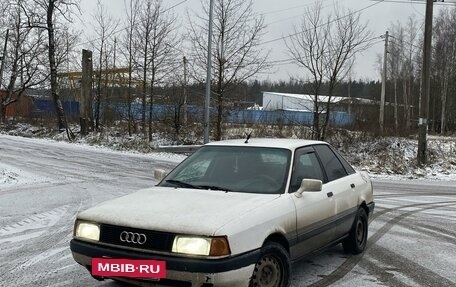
(357, 239)
(273, 268)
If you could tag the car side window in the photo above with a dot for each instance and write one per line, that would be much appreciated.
(306, 165)
(346, 165)
(331, 163)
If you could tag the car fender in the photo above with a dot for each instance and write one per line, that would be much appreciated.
(249, 231)
(366, 194)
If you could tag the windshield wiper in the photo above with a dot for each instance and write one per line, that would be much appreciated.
(215, 187)
(189, 185)
(183, 184)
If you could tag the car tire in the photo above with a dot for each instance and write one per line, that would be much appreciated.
(357, 238)
(273, 268)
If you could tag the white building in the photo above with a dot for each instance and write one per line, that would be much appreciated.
(294, 102)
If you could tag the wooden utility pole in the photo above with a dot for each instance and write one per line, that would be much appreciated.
(86, 114)
(185, 90)
(382, 97)
(113, 78)
(208, 74)
(426, 83)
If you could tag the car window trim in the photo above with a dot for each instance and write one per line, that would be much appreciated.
(300, 151)
(324, 169)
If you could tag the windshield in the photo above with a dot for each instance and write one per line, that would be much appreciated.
(233, 169)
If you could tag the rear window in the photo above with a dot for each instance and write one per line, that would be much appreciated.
(331, 163)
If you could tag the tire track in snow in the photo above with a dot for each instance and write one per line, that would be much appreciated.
(352, 261)
(423, 275)
(45, 255)
(385, 275)
(432, 231)
(36, 221)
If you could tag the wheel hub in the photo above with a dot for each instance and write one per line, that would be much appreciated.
(269, 272)
(360, 232)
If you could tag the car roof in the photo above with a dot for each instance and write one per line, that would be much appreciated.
(291, 144)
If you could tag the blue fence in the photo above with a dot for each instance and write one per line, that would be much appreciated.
(160, 112)
(46, 107)
(286, 117)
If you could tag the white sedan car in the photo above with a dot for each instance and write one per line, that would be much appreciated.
(234, 213)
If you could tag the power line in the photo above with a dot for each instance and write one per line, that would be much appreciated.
(324, 24)
(405, 41)
(417, 2)
(288, 9)
(126, 28)
(294, 16)
(292, 60)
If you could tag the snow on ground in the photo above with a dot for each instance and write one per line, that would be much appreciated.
(395, 158)
(12, 176)
(382, 157)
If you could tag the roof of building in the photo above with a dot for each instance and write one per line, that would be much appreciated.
(321, 98)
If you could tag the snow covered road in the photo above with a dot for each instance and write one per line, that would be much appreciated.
(43, 184)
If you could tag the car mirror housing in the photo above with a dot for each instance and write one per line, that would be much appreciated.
(159, 174)
(309, 185)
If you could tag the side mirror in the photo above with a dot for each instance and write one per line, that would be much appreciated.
(309, 185)
(159, 174)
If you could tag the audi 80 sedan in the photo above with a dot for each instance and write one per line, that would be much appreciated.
(234, 213)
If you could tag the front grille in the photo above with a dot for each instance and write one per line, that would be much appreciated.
(156, 241)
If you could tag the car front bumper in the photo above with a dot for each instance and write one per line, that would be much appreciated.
(181, 271)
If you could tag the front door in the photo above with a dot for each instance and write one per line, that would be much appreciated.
(314, 210)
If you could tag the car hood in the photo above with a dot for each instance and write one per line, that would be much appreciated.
(177, 210)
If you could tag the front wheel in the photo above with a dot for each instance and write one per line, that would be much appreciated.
(357, 238)
(273, 268)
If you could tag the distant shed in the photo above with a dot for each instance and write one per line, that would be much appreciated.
(273, 101)
(20, 108)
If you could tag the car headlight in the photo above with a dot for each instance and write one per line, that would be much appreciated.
(207, 246)
(87, 230)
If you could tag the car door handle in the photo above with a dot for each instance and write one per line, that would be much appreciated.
(352, 185)
(330, 194)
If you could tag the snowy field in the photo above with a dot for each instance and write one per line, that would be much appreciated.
(390, 158)
(44, 184)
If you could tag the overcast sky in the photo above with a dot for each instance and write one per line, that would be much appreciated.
(281, 15)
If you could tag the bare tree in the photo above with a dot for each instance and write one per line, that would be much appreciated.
(395, 64)
(237, 55)
(105, 27)
(326, 48)
(163, 46)
(130, 52)
(26, 66)
(445, 60)
(409, 68)
(42, 14)
(175, 103)
(403, 48)
(307, 47)
(144, 29)
(157, 41)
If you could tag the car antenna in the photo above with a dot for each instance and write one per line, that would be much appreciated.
(256, 121)
(248, 137)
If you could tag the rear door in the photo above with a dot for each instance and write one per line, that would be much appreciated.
(341, 183)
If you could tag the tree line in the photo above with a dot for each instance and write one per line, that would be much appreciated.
(404, 72)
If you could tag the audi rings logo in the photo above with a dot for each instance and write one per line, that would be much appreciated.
(133, 237)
